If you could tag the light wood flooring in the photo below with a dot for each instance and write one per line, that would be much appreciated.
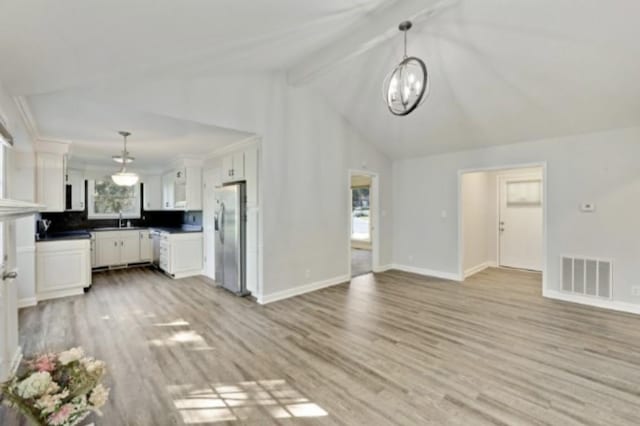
(393, 348)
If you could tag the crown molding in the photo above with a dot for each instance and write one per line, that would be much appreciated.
(27, 116)
(250, 142)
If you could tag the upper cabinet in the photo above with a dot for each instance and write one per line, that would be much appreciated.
(75, 193)
(233, 167)
(50, 175)
(152, 192)
(182, 188)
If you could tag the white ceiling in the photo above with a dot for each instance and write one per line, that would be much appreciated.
(502, 72)
(93, 130)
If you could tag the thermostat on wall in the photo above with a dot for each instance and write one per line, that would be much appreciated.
(587, 207)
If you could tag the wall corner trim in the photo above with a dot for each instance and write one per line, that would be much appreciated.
(451, 276)
(478, 268)
(382, 268)
(300, 290)
(613, 305)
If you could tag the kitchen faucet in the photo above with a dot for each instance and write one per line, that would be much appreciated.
(120, 220)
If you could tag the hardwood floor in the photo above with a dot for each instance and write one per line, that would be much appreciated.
(393, 348)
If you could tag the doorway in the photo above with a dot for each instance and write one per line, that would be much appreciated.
(362, 218)
(502, 219)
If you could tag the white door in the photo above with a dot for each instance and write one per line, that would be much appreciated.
(520, 222)
(211, 179)
(9, 349)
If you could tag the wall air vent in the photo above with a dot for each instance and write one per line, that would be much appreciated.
(588, 277)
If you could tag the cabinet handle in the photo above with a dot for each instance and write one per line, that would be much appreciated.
(121, 243)
(115, 244)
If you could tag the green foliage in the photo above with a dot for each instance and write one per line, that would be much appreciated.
(111, 198)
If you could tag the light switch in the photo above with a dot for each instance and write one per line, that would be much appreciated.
(587, 207)
(443, 214)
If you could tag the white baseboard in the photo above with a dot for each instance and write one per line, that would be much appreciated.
(478, 268)
(382, 268)
(297, 291)
(427, 272)
(592, 301)
(27, 302)
(60, 293)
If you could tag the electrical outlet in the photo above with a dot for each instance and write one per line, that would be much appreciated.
(411, 258)
(635, 290)
(307, 273)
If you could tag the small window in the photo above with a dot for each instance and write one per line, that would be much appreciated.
(524, 193)
(106, 200)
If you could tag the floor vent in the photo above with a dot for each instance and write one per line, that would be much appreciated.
(590, 277)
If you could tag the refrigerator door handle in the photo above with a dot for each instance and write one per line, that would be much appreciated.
(221, 223)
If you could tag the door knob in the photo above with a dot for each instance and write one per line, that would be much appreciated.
(9, 276)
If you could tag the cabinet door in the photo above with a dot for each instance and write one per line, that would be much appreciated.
(186, 253)
(238, 166)
(107, 251)
(75, 178)
(50, 182)
(227, 168)
(146, 246)
(168, 192)
(152, 193)
(130, 247)
(194, 189)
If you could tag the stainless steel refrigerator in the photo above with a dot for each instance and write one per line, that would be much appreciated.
(230, 242)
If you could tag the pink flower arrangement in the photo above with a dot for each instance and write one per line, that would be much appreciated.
(57, 389)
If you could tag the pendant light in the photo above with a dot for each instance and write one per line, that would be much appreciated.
(124, 178)
(407, 86)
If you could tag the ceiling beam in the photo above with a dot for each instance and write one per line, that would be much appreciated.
(375, 28)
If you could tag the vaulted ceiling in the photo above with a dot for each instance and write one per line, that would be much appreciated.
(502, 72)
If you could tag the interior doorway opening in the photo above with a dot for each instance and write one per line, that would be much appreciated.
(502, 220)
(362, 194)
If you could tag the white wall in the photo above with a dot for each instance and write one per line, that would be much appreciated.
(21, 186)
(598, 167)
(476, 216)
(307, 150)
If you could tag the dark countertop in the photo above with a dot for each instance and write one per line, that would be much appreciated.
(64, 236)
(115, 228)
(185, 229)
(86, 233)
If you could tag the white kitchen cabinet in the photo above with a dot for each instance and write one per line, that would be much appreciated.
(168, 191)
(75, 179)
(146, 246)
(107, 249)
(182, 189)
(63, 268)
(50, 181)
(129, 247)
(233, 167)
(152, 192)
(181, 254)
(193, 189)
(122, 247)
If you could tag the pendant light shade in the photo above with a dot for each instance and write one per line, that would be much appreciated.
(407, 86)
(124, 178)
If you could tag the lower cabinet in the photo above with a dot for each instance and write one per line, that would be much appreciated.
(63, 268)
(180, 255)
(114, 248)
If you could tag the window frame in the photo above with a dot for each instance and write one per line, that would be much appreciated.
(92, 215)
